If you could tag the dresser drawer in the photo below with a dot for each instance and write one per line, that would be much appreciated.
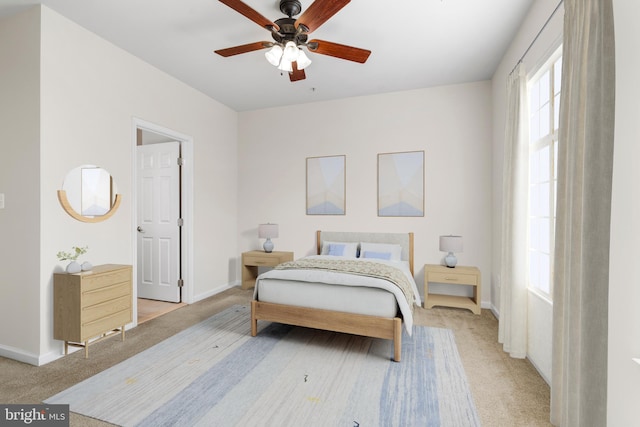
(105, 293)
(105, 309)
(463, 279)
(98, 327)
(91, 282)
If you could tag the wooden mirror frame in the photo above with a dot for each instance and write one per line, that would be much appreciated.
(62, 196)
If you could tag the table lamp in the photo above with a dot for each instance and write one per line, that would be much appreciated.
(268, 231)
(450, 244)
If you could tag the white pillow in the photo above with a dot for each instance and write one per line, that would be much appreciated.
(339, 249)
(395, 251)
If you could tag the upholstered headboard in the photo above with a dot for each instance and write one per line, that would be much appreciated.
(403, 239)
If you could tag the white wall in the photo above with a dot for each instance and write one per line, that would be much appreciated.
(20, 182)
(624, 292)
(540, 319)
(452, 124)
(91, 91)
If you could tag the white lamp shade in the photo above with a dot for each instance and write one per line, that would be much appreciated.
(273, 55)
(267, 231)
(290, 53)
(285, 66)
(303, 61)
(451, 244)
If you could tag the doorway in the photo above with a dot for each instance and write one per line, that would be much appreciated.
(162, 220)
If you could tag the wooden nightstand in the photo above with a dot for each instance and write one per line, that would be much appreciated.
(469, 276)
(253, 259)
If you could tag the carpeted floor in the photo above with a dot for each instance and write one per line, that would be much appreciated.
(506, 391)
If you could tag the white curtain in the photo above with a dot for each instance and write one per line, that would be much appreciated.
(585, 161)
(512, 328)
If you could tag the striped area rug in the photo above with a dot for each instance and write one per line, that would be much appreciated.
(215, 374)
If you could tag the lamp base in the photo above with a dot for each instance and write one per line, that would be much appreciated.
(268, 245)
(450, 260)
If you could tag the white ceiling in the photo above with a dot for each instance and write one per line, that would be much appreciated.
(414, 44)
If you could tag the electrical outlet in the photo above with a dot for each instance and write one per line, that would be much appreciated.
(1, 200)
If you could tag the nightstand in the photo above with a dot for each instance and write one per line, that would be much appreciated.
(469, 276)
(253, 259)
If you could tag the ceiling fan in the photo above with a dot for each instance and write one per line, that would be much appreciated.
(291, 34)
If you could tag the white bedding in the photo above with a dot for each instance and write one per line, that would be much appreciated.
(349, 299)
(364, 295)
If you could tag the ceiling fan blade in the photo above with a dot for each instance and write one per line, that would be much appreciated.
(318, 13)
(337, 50)
(249, 12)
(237, 50)
(296, 74)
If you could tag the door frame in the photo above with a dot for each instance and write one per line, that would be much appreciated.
(186, 191)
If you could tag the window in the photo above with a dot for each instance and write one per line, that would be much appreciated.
(544, 114)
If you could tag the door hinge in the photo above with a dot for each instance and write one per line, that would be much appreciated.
(180, 161)
(180, 222)
(180, 283)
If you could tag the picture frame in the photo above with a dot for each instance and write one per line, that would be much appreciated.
(401, 184)
(326, 185)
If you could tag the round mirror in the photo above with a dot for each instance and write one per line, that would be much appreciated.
(89, 194)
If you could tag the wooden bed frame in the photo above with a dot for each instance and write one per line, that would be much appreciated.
(357, 324)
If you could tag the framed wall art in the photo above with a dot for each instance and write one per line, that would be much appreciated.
(326, 185)
(401, 184)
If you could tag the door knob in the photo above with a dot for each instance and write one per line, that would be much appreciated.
(140, 230)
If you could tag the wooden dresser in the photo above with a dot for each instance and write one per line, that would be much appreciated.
(91, 304)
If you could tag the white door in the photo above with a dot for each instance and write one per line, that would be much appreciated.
(158, 215)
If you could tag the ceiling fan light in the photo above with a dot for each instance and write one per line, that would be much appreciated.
(290, 53)
(274, 54)
(303, 60)
(285, 66)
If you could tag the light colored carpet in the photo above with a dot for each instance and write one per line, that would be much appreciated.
(215, 373)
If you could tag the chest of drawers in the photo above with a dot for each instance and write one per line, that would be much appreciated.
(91, 304)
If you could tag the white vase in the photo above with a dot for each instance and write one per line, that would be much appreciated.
(73, 267)
(86, 266)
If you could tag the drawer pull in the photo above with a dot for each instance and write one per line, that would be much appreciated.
(451, 279)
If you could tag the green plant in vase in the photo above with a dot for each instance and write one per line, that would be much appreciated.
(74, 266)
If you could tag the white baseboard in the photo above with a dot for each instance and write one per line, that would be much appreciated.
(26, 357)
(488, 305)
(19, 355)
(51, 356)
(495, 311)
(544, 377)
(215, 291)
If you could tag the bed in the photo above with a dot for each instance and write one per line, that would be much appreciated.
(372, 297)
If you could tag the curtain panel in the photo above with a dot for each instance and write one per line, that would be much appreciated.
(512, 327)
(581, 263)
